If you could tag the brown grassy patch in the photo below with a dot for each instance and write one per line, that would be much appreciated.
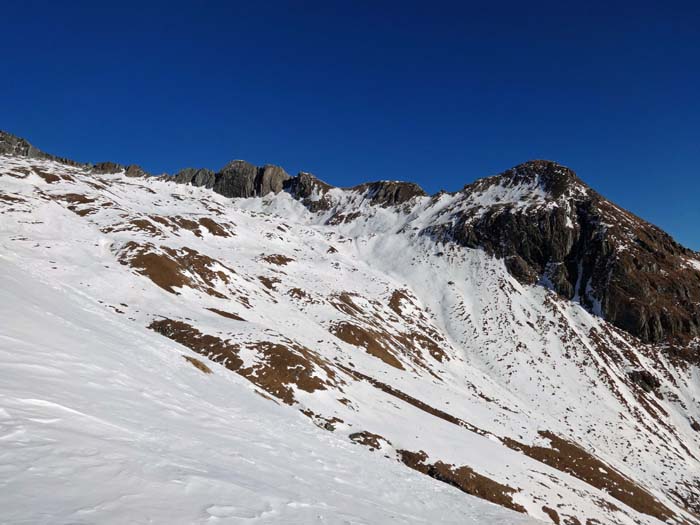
(76, 201)
(407, 343)
(417, 403)
(169, 268)
(269, 282)
(228, 315)
(322, 422)
(574, 460)
(187, 224)
(340, 218)
(395, 301)
(279, 260)
(279, 367)
(142, 225)
(214, 227)
(369, 439)
(49, 178)
(464, 478)
(75, 198)
(11, 199)
(198, 364)
(374, 343)
(553, 514)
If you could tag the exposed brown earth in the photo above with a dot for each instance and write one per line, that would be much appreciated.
(269, 282)
(370, 331)
(228, 315)
(279, 260)
(279, 369)
(49, 178)
(214, 227)
(171, 269)
(369, 440)
(464, 478)
(553, 514)
(325, 423)
(374, 343)
(417, 403)
(198, 364)
(341, 218)
(570, 458)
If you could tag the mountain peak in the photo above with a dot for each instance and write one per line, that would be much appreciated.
(553, 177)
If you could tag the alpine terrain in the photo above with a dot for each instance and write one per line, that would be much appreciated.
(246, 346)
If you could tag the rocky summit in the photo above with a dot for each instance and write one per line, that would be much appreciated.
(246, 345)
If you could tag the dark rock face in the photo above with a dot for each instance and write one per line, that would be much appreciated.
(135, 171)
(645, 379)
(310, 191)
(270, 179)
(11, 145)
(200, 177)
(390, 193)
(237, 179)
(587, 249)
(107, 167)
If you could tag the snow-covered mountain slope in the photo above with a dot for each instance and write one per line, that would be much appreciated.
(101, 422)
(403, 344)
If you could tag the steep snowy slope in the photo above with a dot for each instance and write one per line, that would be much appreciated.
(362, 310)
(103, 423)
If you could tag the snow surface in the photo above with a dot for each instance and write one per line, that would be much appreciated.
(102, 423)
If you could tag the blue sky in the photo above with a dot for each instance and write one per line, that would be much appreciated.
(435, 93)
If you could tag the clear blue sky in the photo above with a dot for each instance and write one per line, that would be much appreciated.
(436, 93)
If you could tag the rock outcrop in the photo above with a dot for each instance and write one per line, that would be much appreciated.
(549, 227)
(390, 193)
(238, 179)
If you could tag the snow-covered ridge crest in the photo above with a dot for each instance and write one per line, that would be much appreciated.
(406, 349)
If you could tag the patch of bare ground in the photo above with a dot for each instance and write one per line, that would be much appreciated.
(298, 293)
(553, 514)
(374, 343)
(170, 268)
(569, 457)
(141, 225)
(464, 478)
(417, 403)
(77, 203)
(198, 364)
(376, 338)
(214, 227)
(11, 199)
(279, 368)
(331, 249)
(269, 282)
(341, 218)
(320, 421)
(49, 178)
(18, 173)
(228, 315)
(279, 260)
(370, 440)
(395, 301)
(187, 224)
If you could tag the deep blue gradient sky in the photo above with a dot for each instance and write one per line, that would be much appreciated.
(436, 93)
